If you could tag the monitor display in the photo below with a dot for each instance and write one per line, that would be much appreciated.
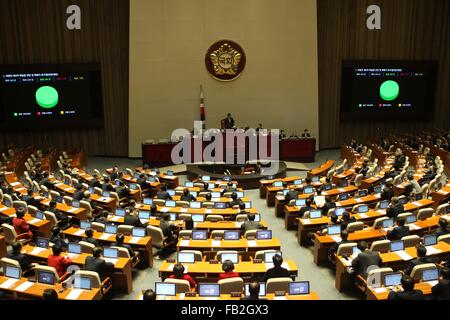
(143, 214)
(85, 224)
(215, 195)
(42, 243)
(392, 279)
(339, 211)
(133, 186)
(388, 223)
(233, 257)
(264, 234)
(195, 204)
(198, 217)
(363, 193)
(75, 203)
(384, 204)
(112, 253)
(189, 184)
(206, 178)
(379, 90)
(211, 186)
(315, 179)
(59, 199)
(148, 201)
(46, 277)
(74, 248)
(209, 290)
(344, 196)
(231, 235)
(220, 205)
(300, 202)
(268, 256)
(403, 200)
(328, 187)
(308, 190)
(248, 204)
(171, 192)
(120, 212)
(333, 230)
(138, 232)
(169, 173)
(411, 219)
(355, 251)
(186, 257)
(299, 287)
(257, 217)
(165, 289)
(430, 274)
(173, 217)
(297, 182)
(12, 272)
(83, 283)
(363, 208)
(262, 289)
(194, 193)
(110, 228)
(315, 214)
(39, 215)
(429, 240)
(170, 203)
(344, 183)
(105, 194)
(240, 194)
(278, 184)
(377, 189)
(397, 246)
(199, 235)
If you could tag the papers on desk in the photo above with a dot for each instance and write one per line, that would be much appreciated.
(24, 286)
(184, 243)
(338, 204)
(72, 210)
(114, 218)
(21, 189)
(14, 184)
(413, 226)
(336, 238)
(279, 298)
(319, 200)
(251, 243)
(105, 236)
(36, 251)
(402, 254)
(208, 211)
(79, 232)
(306, 221)
(33, 221)
(216, 243)
(442, 192)
(346, 262)
(341, 189)
(432, 283)
(417, 203)
(363, 215)
(380, 290)
(238, 224)
(143, 221)
(58, 184)
(134, 240)
(3, 209)
(432, 250)
(74, 294)
(183, 210)
(215, 199)
(182, 295)
(170, 267)
(8, 283)
(72, 255)
(380, 211)
(164, 209)
(111, 260)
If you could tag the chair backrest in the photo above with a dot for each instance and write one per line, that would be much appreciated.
(98, 191)
(32, 210)
(241, 218)
(355, 226)
(115, 196)
(125, 229)
(86, 205)
(9, 198)
(86, 247)
(261, 253)
(54, 195)
(159, 202)
(183, 204)
(404, 215)
(441, 210)
(278, 284)
(358, 179)
(417, 271)
(198, 256)
(181, 286)
(411, 241)
(346, 249)
(425, 191)
(250, 234)
(50, 216)
(20, 204)
(97, 226)
(208, 204)
(375, 277)
(68, 200)
(217, 234)
(123, 252)
(184, 216)
(92, 275)
(378, 223)
(425, 213)
(444, 238)
(214, 217)
(185, 233)
(380, 246)
(230, 285)
(227, 194)
(10, 262)
(47, 269)
(157, 236)
(219, 253)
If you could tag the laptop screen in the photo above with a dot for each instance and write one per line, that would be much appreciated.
(83, 283)
(403, 200)
(39, 215)
(411, 219)
(257, 217)
(315, 179)
(297, 182)
(397, 245)
(220, 205)
(429, 240)
(120, 212)
(392, 279)
(42, 243)
(209, 290)
(111, 253)
(328, 187)
(384, 204)
(315, 214)
(170, 173)
(333, 230)
(148, 201)
(173, 217)
(151, 179)
(231, 235)
(363, 193)
(344, 196)
(59, 199)
(138, 232)
(186, 257)
(199, 235)
(194, 194)
(105, 194)
(195, 204)
(133, 186)
(377, 189)
(198, 217)
(46, 277)
(268, 256)
(339, 211)
(299, 287)
(248, 205)
(262, 289)
(233, 257)
(363, 208)
(171, 192)
(278, 184)
(110, 228)
(430, 274)
(211, 186)
(74, 248)
(85, 224)
(308, 190)
(240, 194)
(355, 251)
(170, 203)
(144, 214)
(215, 194)
(206, 178)
(387, 223)
(300, 202)
(12, 272)
(285, 191)
(264, 234)
(188, 184)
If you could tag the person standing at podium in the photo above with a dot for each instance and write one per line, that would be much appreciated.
(229, 122)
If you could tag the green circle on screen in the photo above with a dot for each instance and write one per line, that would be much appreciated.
(389, 90)
(47, 97)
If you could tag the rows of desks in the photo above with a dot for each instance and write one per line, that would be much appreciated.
(269, 296)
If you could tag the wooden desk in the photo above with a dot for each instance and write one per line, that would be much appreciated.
(270, 296)
(441, 196)
(36, 291)
(280, 202)
(122, 277)
(39, 227)
(322, 170)
(263, 184)
(80, 213)
(246, 269)
(143, 245)
(3, 251)
(373, 294)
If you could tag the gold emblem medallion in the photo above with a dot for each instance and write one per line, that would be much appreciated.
(225, 60)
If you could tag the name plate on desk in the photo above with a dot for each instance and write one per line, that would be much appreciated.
(257, 261)
(79, 232)
(216, 243)
(214, 261)
(24, 286)
(336, 238)
(280, 293)
(170, 260)
(190, 294)
(184, 243)
(251, 243)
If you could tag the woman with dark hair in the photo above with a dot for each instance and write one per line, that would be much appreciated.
(178, 273)
(228, 268)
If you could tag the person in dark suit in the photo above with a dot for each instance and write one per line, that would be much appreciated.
(170, 232)
(229, 122)
(106, 186)
(132, 220)
(408, 292)
(399, 162)
(441, 291)
(328, 205)
(89, 237)
(97, 264)
(61, 217)
(163, 194)
(277, 271)
(114, 173)
(306, 134)
(251, 224)
(421, 259)
(253, 291)
(334, 248)
(25, 262)
(187, 196)
(398, 232)
(122, 191)
(395, 208)
(57, 238)
(95, 182)
(120, 238)
(229, 188)
(292, 194)
(149, 294)
(364, 169)
(142, 181)
(306, 207)
(443, 228)
(346, 219)
(388, 192)
(235, 201)
(28, 198)
(46, 181)
(365, 259)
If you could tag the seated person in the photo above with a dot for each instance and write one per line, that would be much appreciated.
(277, 271)
(328, 205)
(205, 187)
(306, 207)
(364, 169)
(228, 268)
(251, 224)
(414, 184)
(50, 294)
(95, 182)
(398, 232)
(365, 259)
(395, 208)
(57, 237)
(292, 194)
(163, 194)
(388, 192)
(229, 188)
(120, 242)
(24, 261)
(421, 259)
(178, 273)
(131, 219)
(97, 264)
(102, 217)
(242, 209)
(149, 294)
(87, 198)
(107, 186)
(61, 217)
(154, 210)
(208, 197)
(334, 248)
(187, 196)
(253, 290)
(170, 232)
(142, 181)
(234, 200)
(122, 191)
(21, 226)
(441, 291)
(78, 194)
(114, 173)
(306, 134)
(28, 198)
(57, 261)
(408, 292)
(443, 228)
(46, 181)
(89, 232)
(346, 219)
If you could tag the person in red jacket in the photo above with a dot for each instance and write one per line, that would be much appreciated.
(21, 225)
(228, 268)
(178, 273)
(57, 261)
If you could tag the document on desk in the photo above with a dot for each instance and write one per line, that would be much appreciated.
(413, 226)
(164, 209)
(36, 251)
(170, 267)
(341, 189)
(285, 265)
(432, 250)
(24, 286)
(380, 211)
(111, 260)
(72, 255)
(432, 283)
(402, 254)
(279, 298)
(8, 283)
(442, 192)
(134, 240)
(114, 218)
(336, 238)
(184, 243)
(363, 215)
(208, 211)
(3, 209)
(251, 243)
(338, 204)
(216, 243)
(417, 203)
(105, 236)
(183, 210)
(346, 262)
(33, 221)
(72, 210)
(359, 200)
(74, 294)
(380, 290)
(306, 221)
(79, 232)
(59, 184)
(14, 184)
